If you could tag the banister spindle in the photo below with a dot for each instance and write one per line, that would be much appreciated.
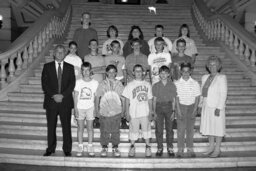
(35, 47)
(3, 74)
(18, 63)
(26, 59)
(236, 50)
(247, 55)
(39, 42)
(241, 50)
(231, 39)
(11, 69)
(252, 59)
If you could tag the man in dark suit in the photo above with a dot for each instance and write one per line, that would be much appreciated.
(58, 82)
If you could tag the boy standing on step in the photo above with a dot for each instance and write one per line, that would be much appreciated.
(109, 108)
(84, 96)
(138, 94)
(164, 93)
(188, 92)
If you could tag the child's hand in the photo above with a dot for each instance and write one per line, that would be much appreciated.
(217, 112)
(76, 113)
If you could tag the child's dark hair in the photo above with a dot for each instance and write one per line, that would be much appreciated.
(93, 40)
(109, 67)
(115, 42)
(138, 66)
(185, 65)
(114, 28)
(159, 26)
(135, 40)
(184, 26)
(159, 39)
(133, 28)
(164, 68)
(180, 41)
(72, 43)
(86, 65)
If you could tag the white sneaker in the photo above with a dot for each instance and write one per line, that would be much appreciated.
(80, 150)
(148, 151)
(104, 152)
(116, 152)
(90, 150)
(131, 151)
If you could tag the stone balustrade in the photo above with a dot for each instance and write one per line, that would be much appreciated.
(221, 28)
(28, 47)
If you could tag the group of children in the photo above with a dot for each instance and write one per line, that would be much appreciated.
(113, 87)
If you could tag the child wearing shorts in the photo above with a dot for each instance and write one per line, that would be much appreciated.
(84, 107)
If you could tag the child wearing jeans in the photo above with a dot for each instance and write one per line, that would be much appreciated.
(188, 92)
(109, 108)
(138, 94)
(84, 94)
(164, 93)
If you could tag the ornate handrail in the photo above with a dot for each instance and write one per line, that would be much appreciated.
(27, 47)
(224, 28)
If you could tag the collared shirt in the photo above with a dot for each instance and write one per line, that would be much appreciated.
(57, 66)
(187, 91)
(164, 93)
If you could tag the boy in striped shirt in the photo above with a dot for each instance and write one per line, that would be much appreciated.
(188, 92)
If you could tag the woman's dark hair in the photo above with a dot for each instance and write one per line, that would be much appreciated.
(109, 67)
(114, 28)
(133, 28)
(184, 26)
(138, 66)
(72, 43)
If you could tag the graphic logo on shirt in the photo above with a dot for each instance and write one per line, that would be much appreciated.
(141, 92)
(157, 63)
(86, 93)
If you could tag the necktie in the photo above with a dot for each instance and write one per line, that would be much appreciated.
(59, 78)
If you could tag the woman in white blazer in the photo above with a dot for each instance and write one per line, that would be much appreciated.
(214, 95)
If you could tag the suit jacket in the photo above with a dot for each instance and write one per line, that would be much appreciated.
(217, 92)
(50, 85)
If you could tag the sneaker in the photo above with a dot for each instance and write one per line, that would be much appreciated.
(80, 150)
(90, 150)
(132, 151)
(170, 152)
(159, 152)
(148, 151)
(191, 153)
(104, 152)
(116, 152)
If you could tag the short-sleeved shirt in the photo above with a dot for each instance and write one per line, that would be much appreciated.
(167, 47)
(156, 60)
(175, 66)
(132, 60)
(96, 62)
(139, 93)
(164, 93)
(110, 92)
(106, 47)
(187, 91)
(190, 46)
(86, 93)
(76, 61)
(119, 62)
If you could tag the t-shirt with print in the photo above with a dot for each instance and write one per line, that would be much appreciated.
(175, 66)
(86, 92)
(110, 92)
(156, 60)
(138, 92)
(119, 62)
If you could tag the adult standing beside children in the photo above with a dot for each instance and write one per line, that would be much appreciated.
(214, 95)
(191, 49)
(58, 82)
(135, 32)
(84, 34)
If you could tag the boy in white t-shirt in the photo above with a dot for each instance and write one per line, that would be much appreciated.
(84, 97)
(158, 59)
(138, 94)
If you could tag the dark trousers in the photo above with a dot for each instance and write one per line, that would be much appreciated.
(164, 112)
(185, 125)
(65, 118)
(109, 130)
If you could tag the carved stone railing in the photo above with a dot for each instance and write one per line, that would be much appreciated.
(225, 29)
(28, 46)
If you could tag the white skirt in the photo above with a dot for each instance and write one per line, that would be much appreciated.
(211, 124)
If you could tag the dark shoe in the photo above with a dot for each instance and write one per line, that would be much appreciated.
(96, 123)
(67, 154)
(159, 152)
(170, 152)
(47, 153)
(124, 124)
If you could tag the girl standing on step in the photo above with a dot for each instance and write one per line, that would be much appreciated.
(112, 34)
(135, 32)
(191, 49)
(213, 101)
